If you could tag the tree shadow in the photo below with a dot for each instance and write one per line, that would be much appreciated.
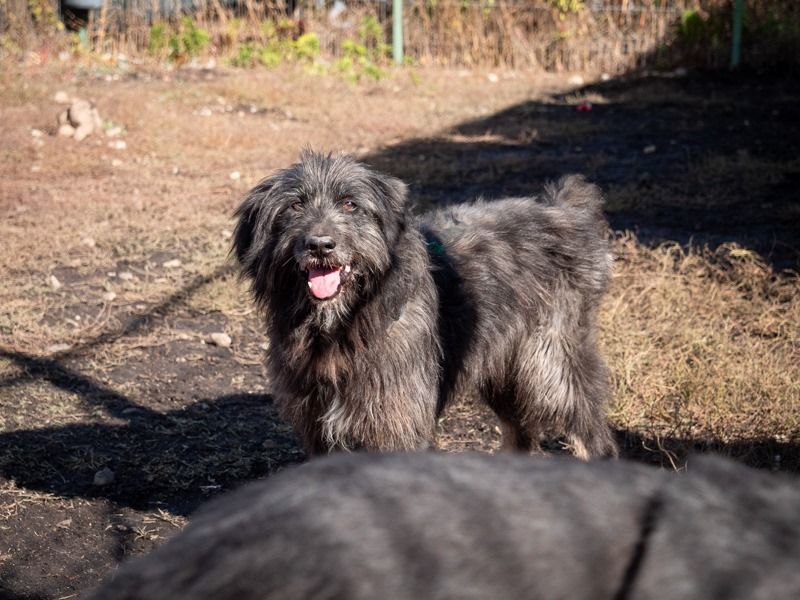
(673, 452)
(175, 459)
(699, 159)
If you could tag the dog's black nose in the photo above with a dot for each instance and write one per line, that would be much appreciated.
(320, 244)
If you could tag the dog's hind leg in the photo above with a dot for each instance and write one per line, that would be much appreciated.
(562, 387)
(517, 439)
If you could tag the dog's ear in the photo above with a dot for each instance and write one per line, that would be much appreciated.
(248, 217)
(395, 194)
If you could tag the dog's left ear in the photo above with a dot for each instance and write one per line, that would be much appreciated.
(395, 194)
(247, 215)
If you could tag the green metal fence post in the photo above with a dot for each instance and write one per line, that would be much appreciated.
(397, 31)
(736, 46)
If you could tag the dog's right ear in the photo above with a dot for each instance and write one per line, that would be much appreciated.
(248, 215)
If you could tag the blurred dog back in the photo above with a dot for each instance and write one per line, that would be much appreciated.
(465, 526)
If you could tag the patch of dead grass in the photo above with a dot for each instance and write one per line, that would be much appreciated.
(703, 344)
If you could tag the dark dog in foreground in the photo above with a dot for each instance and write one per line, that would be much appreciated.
(426, 525)
(376, 319)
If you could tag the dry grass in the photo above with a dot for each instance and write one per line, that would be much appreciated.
(704, 345)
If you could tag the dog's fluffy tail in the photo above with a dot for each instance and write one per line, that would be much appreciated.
(575, 192)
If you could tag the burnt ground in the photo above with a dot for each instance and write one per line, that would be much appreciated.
(132, 383)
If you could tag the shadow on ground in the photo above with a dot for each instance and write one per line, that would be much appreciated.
(699, 159)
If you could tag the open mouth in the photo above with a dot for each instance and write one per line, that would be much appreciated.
(324, 283)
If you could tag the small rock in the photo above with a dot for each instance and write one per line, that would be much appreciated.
(55, 348)
(223, 340)
(37, 133)
(118, 145)
(493, 77)
(172, 264)
(54, 282)
(126, 276)
(109, 296)
(103, 477)
(649, 149)
(66, 130)
(61, 97)
(236, 175)
(83, 116)
(88, 241)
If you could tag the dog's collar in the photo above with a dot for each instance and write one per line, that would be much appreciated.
(435, 247)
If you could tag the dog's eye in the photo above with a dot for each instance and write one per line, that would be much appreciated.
(348, 205)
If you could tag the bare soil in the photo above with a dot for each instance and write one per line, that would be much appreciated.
(112, 366)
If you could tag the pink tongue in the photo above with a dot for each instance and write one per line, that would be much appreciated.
(323, 282)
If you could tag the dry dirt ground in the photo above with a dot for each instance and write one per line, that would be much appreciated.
(114, 273)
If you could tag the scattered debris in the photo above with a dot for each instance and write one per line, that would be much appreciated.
(65, 524)
(126, 276)
(37, 133)
(223, 340)
(88, 241)
(117, 145)
(104, 476)
(55, 348)
(172, 264)
(62, 97)
(54, 282)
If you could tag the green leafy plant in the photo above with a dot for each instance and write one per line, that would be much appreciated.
(178, 43)
(157, 42)
(365, 57)
(566, 7)
(692, 27)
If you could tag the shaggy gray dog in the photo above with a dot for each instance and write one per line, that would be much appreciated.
(474, 526)
(376, 319)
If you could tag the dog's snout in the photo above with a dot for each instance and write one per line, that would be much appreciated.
(320, 244)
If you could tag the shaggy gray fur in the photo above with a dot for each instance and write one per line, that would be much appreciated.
(424, 525)
(495, 299)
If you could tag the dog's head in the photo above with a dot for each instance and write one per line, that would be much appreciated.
(323, 230)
